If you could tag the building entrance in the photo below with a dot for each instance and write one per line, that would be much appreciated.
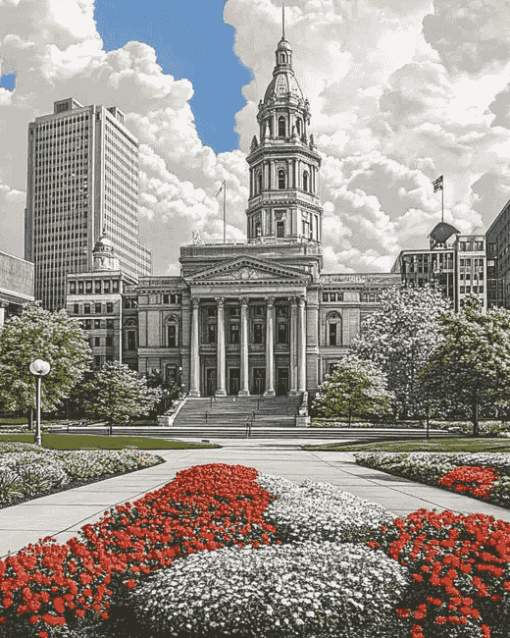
(210, 381)
(259, 381)
(234, 377)
(282, 381)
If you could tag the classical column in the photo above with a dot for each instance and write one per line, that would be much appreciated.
(220, 355)
(269, 348)
(245, 387)
(194, 388)
(301, 346)
(293, 343)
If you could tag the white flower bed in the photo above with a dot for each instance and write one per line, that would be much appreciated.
(320, 511)
(28, 473)
(306, 589)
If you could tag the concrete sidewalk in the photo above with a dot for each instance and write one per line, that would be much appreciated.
(62, 515)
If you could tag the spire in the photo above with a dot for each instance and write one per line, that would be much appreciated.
(283, 21)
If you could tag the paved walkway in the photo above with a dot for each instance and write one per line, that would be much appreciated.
(62, 515)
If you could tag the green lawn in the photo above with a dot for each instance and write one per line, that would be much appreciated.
(84, 441)
(423, 445)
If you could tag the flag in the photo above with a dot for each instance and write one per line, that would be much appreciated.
(438, 184)
(221, 188)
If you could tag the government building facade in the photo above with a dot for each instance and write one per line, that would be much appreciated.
(241, 319)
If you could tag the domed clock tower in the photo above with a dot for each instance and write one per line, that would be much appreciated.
(284, 164)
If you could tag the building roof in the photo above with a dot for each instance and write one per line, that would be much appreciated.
(442, 232)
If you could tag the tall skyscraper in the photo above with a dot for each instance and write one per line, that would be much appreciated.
(82, 178)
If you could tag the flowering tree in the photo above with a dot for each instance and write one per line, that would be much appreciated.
(400, 337)
(472, 363)
(116, 393)
(40, 334)
(356, 387)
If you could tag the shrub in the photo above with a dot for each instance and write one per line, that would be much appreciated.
(292, 590)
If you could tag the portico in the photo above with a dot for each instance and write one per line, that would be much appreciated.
(248, 329)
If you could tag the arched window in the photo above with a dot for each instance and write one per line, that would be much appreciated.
(281, 179)
(305, 181)
(281, 127)
(259, 183)
(172, 331)
(282, 58)
(258, 229)
(269, 122)
(334, 329)
(298, 126)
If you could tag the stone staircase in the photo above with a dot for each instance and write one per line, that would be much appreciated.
(226, 412)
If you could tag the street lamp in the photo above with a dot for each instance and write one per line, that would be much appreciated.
(39, 369)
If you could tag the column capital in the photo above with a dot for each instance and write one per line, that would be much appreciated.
(244, 301)
(220, 301)
(292, 301)
(302, 301)
(195, 302)
(270, 302)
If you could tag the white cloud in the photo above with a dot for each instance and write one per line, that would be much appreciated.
(400, 93)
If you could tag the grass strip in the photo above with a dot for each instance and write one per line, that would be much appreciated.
(54, 441)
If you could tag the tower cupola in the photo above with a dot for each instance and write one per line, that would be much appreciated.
(103, 254)
(284, 202)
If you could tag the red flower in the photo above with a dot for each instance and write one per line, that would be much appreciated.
(131, 584)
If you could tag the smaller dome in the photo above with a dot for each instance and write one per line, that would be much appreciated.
(103, 244)
(284, 44)
(442, 232)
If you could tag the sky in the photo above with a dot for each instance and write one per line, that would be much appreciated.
(401, 92)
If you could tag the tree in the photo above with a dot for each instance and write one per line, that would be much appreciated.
(472, 363)
(355, 388)
(40, 334)
(400, 337)
(115, 393)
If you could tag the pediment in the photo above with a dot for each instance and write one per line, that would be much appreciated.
(248, 270)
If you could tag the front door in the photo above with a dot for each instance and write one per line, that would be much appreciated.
(210, 381)
(259, 381)
(282, 381)
(234, 380)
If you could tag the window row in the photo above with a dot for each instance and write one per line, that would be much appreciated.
(98, 324)
(471, 289)
(99, 341)
(97, 287)
(98, 308)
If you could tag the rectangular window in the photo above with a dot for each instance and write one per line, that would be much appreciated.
(234, 333)
(131, 340)
(166, 299)
(106, 287)
(173, 298)
(325, 296)
(97, 308)
(97, 324)
(211, 333)
(97, 341)
(88, 324)
(109, 307)
(109, 341)
(172, 337)
(72, 288)
(86, 308)
(88, 287)
(97, 361)
(109, 324)
(332, 334)
(76, 309)
(280, 229)
(282, 333)
(80, 287)
(97, 287)
(115, 285)
(258, 333)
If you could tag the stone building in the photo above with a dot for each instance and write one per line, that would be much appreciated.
(260, 317)
(456, 263)
(16, 285)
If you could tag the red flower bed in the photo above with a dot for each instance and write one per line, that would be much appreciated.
(460, 567)
(203, 508)
(475, 479)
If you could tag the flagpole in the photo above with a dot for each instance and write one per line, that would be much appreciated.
(225, 212)
(442, 201)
